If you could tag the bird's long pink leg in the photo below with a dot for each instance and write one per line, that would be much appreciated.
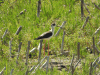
(44, 48)
(48, 48)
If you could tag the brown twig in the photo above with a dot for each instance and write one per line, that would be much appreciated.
(60, 28)
(93, 45)
(27, 53)
(47, 64)
(78, 50)
(96, 6)
(85, 22)
(71, 63)
(62, 42)
(19, 29)
(11, 71)
(27, 71)
(72, 69)
(10, 47)
(86, 8)
(97, 50)
(90, 73)
(82, 13)
(22, 12)
(19, 47)
(4, 33)
(39, 8)
(40, 50)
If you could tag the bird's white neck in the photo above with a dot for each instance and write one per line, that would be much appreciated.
(52, 29)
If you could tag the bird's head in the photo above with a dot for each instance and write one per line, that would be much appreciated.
(53, 25)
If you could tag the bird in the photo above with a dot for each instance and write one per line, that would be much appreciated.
(46, 36)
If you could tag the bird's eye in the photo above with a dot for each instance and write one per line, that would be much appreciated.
(53, 24)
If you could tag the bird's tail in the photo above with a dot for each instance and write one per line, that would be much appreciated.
(36, 39)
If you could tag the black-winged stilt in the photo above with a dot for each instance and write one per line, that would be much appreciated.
(47, 35)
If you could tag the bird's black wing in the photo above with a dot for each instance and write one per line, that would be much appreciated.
(44, 35)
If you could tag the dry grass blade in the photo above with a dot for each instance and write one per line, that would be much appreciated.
(98, 43)
(39, 64)
(94, 63)
(43, 65)
(96, 31)
(32, 68)
(77, 63)
(33, 50)
(2, 70)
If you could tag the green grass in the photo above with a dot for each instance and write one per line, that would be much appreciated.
(51, 11)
